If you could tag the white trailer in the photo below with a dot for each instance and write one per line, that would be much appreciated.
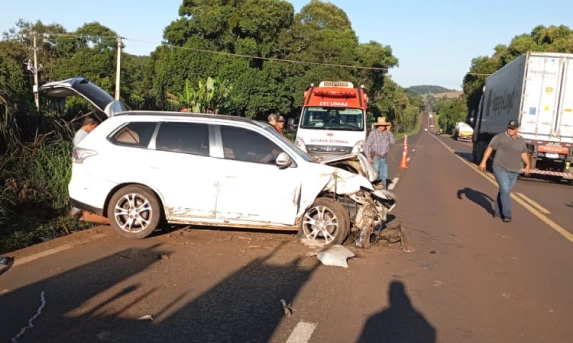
(536, 89)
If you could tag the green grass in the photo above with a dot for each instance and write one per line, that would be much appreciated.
(33, 192)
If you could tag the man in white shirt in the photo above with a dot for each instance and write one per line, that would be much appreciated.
(88, 125)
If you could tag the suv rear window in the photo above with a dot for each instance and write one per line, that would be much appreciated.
(188, 138)
(136, 134)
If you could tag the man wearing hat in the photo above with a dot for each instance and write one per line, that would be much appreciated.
(280, 124)
(378, 145)
(510, 151)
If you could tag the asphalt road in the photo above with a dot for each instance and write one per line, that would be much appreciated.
(553, 198)
(470, 278)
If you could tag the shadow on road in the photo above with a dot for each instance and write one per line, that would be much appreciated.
(399, 323)
(92, 302)
(569, 205)
(466, 156)
(479, 198)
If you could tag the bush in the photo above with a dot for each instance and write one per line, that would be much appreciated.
(34, 179)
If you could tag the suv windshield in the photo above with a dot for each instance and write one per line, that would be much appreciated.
(296, 149)
(332, 118)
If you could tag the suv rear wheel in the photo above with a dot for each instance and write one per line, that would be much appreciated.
(325, 223)
(134, 212)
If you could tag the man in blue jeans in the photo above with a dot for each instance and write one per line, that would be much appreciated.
(377, 147)
(510, 151)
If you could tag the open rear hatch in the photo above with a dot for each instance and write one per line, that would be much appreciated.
(81, 86)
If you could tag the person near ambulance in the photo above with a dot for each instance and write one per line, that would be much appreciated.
(280, 125)
(377, 147)
(277, 122)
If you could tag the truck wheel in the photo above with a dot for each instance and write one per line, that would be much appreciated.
(325, 223)
(134, 212)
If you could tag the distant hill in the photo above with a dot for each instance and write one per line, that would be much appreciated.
(450, 95)
(428, 89)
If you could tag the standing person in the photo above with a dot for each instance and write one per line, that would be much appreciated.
(273, 120)
(88, 125)
(510, 151)
(280, 124)
(378, 145)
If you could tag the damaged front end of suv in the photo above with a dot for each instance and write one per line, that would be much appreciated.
(354, 184)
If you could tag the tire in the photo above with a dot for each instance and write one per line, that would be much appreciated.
(150, 215)
(328, 235)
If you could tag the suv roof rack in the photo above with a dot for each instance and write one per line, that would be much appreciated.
(192, 115)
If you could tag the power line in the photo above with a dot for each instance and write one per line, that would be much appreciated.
(270, 59)
(261, 58)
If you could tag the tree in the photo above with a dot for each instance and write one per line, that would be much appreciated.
(213, 96)
(450, 112)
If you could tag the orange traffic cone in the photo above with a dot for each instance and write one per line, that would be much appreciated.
(404, 162)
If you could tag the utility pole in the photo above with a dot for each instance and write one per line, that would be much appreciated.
(118, 68)
(36, 94)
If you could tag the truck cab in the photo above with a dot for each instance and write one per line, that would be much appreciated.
(332, 121)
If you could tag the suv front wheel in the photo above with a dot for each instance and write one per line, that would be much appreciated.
(134, 212)
(325, 223)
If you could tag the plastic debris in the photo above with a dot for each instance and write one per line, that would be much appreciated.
(335, 256)
(286, 308)
(146, 317)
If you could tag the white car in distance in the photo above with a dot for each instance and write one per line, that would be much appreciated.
(144, 168)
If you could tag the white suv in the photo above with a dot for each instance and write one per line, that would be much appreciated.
(143, 168)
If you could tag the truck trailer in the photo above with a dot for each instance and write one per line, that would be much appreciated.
(536, 89)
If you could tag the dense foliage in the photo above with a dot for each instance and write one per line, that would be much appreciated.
(35, 146)
(449, 112)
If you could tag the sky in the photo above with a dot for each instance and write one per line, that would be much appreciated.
(433, 40)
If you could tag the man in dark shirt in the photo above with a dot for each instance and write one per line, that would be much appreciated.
(511, 150)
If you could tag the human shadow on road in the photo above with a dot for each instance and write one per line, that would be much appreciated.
(399, 323)
(66, 292)
(479, 198)
(99, 302)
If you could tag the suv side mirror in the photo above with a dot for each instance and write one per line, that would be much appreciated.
(283, 160)
(291, 126)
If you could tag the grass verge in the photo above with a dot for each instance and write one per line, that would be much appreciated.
(34, 199)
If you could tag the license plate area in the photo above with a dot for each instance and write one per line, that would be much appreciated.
(552, 155)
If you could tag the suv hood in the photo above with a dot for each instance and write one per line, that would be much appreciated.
(81, 86)
(355, 160)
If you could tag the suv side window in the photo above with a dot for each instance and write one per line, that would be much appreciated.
(187, 138)
(134, 134)
(248, 146)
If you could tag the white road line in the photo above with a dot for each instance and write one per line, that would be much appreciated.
(30, 325)
(49, 252)
(408, 159)
(559, 229)
(301, 332)
(393, 184)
